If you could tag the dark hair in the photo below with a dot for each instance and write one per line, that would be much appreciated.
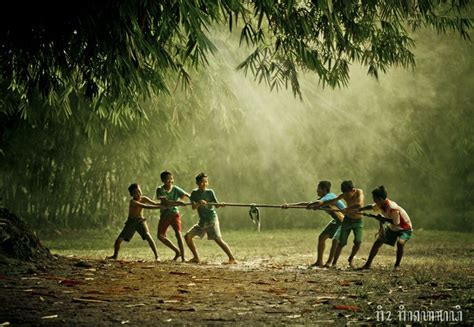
(200, 176)
(325, 185)
(380, 193)
(132, 187)
(346, 186)
(164, 174)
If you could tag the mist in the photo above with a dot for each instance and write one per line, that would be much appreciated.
(409, 131)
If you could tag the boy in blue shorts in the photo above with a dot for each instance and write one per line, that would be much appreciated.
(324, 194)
(169, 216)
(354, 199)
(400, 228)
(208, 220)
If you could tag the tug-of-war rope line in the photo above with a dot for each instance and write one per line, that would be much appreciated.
(254, 212)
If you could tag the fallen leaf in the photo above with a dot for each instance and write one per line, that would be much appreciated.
(346, 307)
(179, 273)
(69, 282)
(84, 300)
(180, 309)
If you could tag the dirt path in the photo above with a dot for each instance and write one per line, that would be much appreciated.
(97, 292)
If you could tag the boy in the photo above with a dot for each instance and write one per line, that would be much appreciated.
(136, 222)
(400, 228)
(324, 193)
(354, 199)
(208, 220)
(170, 215)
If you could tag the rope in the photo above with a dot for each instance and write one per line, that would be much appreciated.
(254, 212)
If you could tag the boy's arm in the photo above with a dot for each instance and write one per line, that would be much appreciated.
(149, 201)
(144, 205)
(183, 194)
(194, 204)
(214, 199)
(317, 204)
(175, 203)
(367, 207)
(286, 205)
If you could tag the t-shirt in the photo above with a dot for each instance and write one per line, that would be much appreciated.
(339, 205)
(392, 210)
(206, 213)
(173, 195)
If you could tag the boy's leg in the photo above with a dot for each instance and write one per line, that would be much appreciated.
(179, 237)
(373, 252)
(330, 231)
(400, 247)
(162, 227)
(331, 253)
(125, 235)
(355, 249)
(117, 243)
(404, 236)
(321, 245)
(226, 249)
(189, 241)
(357, 228)
(337, 253)
(342, 236)
(152, 244)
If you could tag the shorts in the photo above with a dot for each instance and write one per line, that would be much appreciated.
(210, 228)
(390, 237)
(166, 221)
(331, 229)
(133, 225)
(348, 225)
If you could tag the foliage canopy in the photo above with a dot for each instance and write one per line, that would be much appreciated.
(101, 56)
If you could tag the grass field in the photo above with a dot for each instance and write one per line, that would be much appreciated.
(439, 249)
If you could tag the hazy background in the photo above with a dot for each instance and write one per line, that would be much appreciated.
(410, 131)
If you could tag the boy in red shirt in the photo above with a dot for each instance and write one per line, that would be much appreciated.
(400, 228)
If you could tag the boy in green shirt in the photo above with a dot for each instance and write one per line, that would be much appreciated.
(170, 215)
(208, 220)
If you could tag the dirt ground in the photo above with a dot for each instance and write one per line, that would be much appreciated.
(78, 291)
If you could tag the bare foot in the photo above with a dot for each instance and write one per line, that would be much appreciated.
(315, 265)
(176, 256)
(157, 259)
(351, 262)
(396, 268)
(112, 257)
(230, 262)
(193, 260)
(364, 267)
